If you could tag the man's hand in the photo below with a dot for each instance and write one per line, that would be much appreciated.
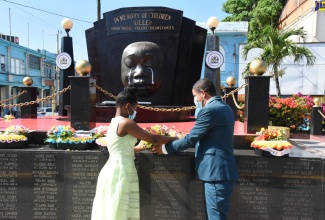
(157, 149)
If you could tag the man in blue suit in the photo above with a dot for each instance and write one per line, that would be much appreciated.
(212, 136)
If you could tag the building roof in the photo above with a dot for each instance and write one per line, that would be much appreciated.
(228, 27)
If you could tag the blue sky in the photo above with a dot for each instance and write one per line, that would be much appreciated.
(38, 30)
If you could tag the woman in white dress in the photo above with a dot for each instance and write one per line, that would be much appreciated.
(117, 192)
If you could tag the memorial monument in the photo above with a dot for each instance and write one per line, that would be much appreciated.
(170, 70)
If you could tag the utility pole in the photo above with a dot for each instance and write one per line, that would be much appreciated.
(98, 10)
(28, 34)
(57, 74)
(10, 24)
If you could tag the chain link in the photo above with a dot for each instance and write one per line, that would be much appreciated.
(236, 104)
(233, 96)
(234, 91)
(188, 108)
(104, 91)
(183, 109)
(13, 97)
(38, 100)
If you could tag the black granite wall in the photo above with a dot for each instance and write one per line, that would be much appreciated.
(55, 184)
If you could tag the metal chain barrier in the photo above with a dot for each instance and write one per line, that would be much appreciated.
(13, 97)
(38, 100)
(236, 104)
(189, 108)
(233, 96)
(234, 91)
(104, 91)
(320, 112)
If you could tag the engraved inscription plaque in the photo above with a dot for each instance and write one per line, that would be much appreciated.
(143, 19)
(8, 185)
(278, 188)
(31, 185)
(82, 170)
(58, 184)
(48, 186)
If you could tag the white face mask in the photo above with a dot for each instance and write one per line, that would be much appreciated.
(133, 115)
(197, 103)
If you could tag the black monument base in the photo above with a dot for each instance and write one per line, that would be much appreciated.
(316, 127)
(256, 103)
(29, 111)
(82, 103)
(58, 184)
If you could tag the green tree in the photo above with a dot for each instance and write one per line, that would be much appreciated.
(267, 12)
(276, 45)
(259, 13)
(239, 10)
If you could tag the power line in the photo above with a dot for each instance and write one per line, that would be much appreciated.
(47, 11)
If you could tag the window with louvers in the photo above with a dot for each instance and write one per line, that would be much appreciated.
(34, 62)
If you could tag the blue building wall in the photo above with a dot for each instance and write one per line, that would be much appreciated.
(231, 35)
(230, 44)
(15, 61)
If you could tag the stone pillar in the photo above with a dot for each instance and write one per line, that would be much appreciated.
(212, 44)
(316, 127)
(64, 99)
(82, 102)
(256, 103)
(230, 101)
(29, 111)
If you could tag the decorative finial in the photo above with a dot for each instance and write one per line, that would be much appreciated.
(83, 67)
(316, 101)
(231, 81)
(257, 67)
(28, 81)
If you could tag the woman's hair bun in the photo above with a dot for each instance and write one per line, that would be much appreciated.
(131, 88)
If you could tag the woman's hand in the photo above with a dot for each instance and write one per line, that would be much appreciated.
(140, 147)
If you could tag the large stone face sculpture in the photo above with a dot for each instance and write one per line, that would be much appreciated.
(142, 64)
(181, 41)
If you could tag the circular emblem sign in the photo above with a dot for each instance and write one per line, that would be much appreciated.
(214, 59)
(63, 60)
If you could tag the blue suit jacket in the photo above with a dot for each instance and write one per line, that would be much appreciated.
(212, 136)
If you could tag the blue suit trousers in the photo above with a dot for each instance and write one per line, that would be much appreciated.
(217, 198)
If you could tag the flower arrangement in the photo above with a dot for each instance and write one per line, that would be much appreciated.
(292, 112)
(100, 131)
(66, 134)
(271, 134)
(17, 129)
(162, 130)
(101, 141)
(8, 117)
(100, 134)
(14, 133)
(271, 138)
(9, 138)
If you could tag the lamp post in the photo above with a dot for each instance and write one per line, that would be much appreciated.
(65, 62)
(214, 59)
(67, 24)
